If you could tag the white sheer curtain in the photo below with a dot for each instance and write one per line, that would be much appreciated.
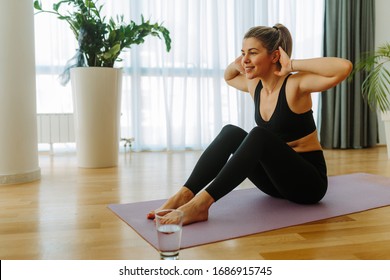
(178, 100)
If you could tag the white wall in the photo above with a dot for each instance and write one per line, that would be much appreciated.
(18, 125)
(382, 35)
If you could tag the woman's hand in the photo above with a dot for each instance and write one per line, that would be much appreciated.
(235, 75)
(238, 64)
(285, 62)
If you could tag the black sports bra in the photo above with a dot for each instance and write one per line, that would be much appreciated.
(289, 126)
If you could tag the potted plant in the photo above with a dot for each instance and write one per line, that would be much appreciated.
(376, 86)
(96, 83)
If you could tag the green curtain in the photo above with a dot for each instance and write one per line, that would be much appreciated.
(345, 120)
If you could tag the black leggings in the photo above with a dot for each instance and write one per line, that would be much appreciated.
(273, 166)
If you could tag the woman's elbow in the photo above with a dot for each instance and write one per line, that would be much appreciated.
(347, 67)
(344, 68)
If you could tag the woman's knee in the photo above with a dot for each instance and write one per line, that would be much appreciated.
(257, 130)
(231, 132)
(261, 135)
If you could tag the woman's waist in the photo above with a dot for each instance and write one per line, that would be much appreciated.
(307, 143)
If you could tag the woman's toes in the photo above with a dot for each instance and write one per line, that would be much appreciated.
(150, 215)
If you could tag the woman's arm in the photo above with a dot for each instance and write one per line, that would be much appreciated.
(316, 74)
(235, 75)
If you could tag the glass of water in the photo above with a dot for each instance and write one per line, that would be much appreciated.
(169, 224)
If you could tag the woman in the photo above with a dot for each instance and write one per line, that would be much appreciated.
(281, 155)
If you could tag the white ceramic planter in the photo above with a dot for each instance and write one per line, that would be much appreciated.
(386, 121)
(97, 99)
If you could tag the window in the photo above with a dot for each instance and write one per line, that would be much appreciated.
(178, 100)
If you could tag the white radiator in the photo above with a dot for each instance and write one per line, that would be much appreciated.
(55, 128)
(59, 128)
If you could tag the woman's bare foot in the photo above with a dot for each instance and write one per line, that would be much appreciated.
(197, 209)
(183, 196)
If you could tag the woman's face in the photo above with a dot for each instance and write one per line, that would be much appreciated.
(256, 61)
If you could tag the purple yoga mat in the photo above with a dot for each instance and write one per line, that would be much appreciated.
(249, 211)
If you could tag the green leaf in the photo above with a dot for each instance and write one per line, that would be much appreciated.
(112, 36)
(112, 23)
(112, 52)
(38, 5)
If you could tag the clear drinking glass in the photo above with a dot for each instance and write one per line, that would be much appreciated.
(169, 224)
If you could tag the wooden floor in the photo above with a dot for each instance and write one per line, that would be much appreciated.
(65, 214)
